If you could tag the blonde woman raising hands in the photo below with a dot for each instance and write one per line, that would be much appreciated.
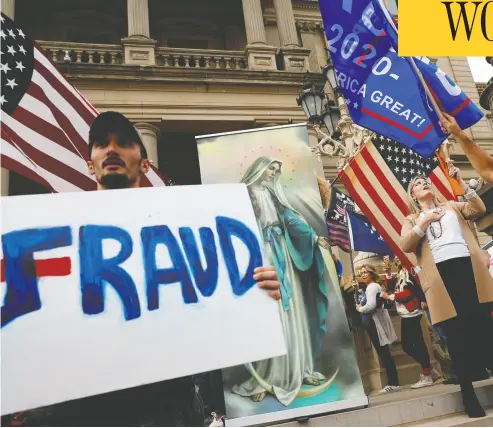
(454, 276)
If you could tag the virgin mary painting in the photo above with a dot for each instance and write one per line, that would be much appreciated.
(293, 247)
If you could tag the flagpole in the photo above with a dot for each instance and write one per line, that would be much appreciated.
(427, 90)
(350, 242)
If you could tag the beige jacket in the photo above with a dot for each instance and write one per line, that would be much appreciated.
(439, 302)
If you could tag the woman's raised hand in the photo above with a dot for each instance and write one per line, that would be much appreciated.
(453, 171)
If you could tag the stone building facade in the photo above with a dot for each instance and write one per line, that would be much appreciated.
(183, 68)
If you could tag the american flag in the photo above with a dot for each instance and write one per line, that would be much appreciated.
(377, 178)
(45, 120)
(336, 219)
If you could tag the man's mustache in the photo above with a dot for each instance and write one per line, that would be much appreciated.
(113, 160)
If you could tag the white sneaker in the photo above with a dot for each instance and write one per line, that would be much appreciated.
(423, 381)
(215, 422)
(390, 388)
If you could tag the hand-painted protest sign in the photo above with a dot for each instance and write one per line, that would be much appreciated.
(109, 290)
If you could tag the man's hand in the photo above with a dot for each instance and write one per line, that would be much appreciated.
(357, 307)
(449, 125)
(266, 277)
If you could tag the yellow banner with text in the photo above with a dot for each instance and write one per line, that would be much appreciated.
(445, 28)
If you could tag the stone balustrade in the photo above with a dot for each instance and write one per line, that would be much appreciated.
(201, 58)
(88, 53)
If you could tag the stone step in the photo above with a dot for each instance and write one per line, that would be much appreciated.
(407, 406)
(455, 420)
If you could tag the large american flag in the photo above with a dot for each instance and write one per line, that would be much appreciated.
(45, 120)
(377, 178)
(336, 219)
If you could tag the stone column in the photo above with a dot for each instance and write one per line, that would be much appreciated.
(5, 182)
(139, 48)
(138, 18)
(149, 134)
(285, 23)
(8, 8)
(260, 55)
(309, 40)
(295, 58)
(254, 22)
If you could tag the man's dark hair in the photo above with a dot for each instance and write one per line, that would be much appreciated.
(117, 123)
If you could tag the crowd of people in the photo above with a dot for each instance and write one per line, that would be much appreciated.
(455, 289)
(465, 334)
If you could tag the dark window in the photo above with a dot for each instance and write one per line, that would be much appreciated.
(182, 43)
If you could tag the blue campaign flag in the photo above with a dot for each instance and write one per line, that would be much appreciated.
(382, 91)
(448, 95)
(364, 237)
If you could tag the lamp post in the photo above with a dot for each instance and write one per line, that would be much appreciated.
(344, 138)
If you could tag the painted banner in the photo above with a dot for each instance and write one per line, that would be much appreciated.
(108, 290)
(319, 374)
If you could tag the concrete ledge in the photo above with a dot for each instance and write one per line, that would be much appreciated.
(455, 420)
(405, 407)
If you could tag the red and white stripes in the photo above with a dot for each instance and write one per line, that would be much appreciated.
(381, 197)
(46, 136)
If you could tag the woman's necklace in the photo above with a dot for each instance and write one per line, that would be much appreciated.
(437, 231)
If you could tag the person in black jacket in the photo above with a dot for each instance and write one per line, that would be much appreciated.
(418, 297)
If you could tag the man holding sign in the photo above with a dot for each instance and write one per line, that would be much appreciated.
(118, 160)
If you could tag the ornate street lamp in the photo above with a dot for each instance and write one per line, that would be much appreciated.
(344, 138)
(329, 73)
(331, 116)
(311, 99)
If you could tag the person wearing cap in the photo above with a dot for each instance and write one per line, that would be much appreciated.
(117, 155)
(118, 160)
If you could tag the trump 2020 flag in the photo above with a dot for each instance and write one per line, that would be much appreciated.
(448, 95)
(381, 90)
(364, 237)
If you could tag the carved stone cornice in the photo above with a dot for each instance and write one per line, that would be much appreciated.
(309, 26)
(306, 5)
